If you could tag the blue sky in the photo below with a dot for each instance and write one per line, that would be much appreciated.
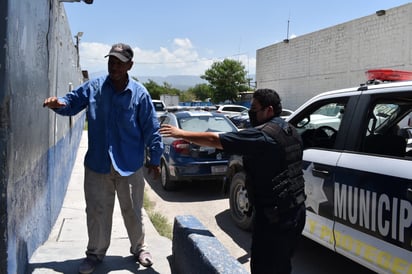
(185, 37)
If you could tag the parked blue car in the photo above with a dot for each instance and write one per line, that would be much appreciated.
(184, 161)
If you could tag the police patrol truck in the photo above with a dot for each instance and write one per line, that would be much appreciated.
(357, 165)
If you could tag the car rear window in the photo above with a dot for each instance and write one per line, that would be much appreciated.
(235, 109)
(206, 124)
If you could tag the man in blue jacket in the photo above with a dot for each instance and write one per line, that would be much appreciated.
(121, 123)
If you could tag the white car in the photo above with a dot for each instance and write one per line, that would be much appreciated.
(231, 110)
(160, 107)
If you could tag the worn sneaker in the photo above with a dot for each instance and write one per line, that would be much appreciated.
(144, 258)
(88, 264)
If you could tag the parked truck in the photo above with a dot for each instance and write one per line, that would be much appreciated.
(170, 100)
(357, 164)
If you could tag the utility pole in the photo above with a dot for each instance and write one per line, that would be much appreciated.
(77, 36)
(287, 31)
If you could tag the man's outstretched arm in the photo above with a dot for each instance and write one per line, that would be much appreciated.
(210, 139)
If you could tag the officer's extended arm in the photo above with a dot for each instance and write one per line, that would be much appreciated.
(210, 139)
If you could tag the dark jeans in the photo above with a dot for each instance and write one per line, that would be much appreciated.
(273, 244)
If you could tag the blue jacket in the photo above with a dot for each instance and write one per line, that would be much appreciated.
(120, 125)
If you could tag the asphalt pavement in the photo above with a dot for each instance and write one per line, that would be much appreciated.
(65, 248)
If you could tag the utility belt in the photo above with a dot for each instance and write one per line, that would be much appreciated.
(288, 193)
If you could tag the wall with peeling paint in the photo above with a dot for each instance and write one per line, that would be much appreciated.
(38, 59)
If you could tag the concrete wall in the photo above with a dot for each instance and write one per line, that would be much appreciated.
(37, 148)
(336, 57)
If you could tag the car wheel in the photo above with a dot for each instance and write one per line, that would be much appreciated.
(239, 202)
(167, 184)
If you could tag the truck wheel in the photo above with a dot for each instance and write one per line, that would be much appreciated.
(239, 202)
(167, 184)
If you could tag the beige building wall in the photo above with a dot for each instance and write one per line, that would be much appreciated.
(336, 57)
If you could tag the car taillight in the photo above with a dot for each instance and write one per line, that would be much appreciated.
(181, 147)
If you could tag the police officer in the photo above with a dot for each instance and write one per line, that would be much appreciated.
(272, 156)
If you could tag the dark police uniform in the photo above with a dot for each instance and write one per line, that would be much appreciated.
(267, 151)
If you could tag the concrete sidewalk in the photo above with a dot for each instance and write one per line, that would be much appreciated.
(65, 248)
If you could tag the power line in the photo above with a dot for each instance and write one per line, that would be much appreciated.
(179, 62)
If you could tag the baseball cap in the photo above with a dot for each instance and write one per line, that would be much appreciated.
(122, 51)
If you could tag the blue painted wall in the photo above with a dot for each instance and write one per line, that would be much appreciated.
(38, 59)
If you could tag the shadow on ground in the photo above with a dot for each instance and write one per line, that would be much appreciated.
(241, 237)
(194, 191)
(110, 263)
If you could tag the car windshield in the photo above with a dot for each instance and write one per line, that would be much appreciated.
(206, 123)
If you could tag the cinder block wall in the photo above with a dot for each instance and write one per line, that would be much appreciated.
(336, 57)
(37, 148)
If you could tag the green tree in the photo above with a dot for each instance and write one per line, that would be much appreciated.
(186, 96)
(168, 89)
(227, 79)
(201, 91)
(155, 90)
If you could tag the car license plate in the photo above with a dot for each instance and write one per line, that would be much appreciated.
(219, 169)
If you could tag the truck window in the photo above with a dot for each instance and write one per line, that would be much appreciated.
(319, 126)
(159, 106)
(387, 132)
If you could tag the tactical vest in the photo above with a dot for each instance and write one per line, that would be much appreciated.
(288, 187)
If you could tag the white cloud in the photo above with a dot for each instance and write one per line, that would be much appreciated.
(184, 43)
(92, 56)
(181, 58)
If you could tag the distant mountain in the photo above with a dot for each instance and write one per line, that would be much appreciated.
(182, 82)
